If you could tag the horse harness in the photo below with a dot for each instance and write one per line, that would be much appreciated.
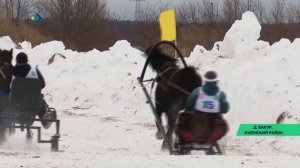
(1, 70)
(163, 80)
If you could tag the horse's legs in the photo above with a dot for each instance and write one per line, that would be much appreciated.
(172, 115)
(159, 134)
(3, 127)
(171, 127)
(29, 135)
(2, 132)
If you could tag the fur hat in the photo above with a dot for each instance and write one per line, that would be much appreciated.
(21, 58)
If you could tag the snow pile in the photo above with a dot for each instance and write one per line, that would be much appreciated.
(244, 34)
(91, 81)
(25, 45)
(6, 43)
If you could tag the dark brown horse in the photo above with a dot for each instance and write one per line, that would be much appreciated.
(173, 87)
(5, 79)
(5, 69)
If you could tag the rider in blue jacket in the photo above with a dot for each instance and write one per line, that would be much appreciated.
(210, 99)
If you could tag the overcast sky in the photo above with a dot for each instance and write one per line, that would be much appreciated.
(126, 8)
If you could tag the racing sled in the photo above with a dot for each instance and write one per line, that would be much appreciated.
(192, 131)
(24, 106)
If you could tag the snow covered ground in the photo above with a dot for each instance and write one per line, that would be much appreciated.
(105, 121)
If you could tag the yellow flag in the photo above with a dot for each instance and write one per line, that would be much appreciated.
(167, 23)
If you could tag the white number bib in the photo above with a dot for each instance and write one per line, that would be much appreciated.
(32, 73)
(206, 103)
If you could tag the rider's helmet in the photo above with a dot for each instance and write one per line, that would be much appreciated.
(211, 76)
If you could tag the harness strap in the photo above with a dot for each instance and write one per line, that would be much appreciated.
(1, 70)
(167, 65)
(2, 74)
(172, 84)
(177, 87)
(166, 70)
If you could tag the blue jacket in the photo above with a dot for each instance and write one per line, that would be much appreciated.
(211, 89)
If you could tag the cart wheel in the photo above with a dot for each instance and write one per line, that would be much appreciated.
(53, 113)
(54, 143)
(50, 115)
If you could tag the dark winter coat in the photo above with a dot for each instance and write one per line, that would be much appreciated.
(22, 70)
(211, 89)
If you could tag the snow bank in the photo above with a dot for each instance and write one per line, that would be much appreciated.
(242, 34)
(87, 82)
(6, 43)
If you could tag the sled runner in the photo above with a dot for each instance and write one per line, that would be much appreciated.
(192, 131)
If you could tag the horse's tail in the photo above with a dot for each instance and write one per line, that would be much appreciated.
(158, 58)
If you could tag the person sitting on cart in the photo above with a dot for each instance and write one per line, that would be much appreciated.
(211, 100)
(23, 70)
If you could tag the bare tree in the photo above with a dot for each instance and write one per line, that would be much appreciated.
(16, 9)
(257, 7)
(1, 7)
(293, 13)
(147, 31)
(297, 14)
(78, 19)
(195, 12)
(276, 21)
(189, 12)
(182, 13)
(232, 10)
(277, 13)
(150, 11)
(125, 14)
(210, 12)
